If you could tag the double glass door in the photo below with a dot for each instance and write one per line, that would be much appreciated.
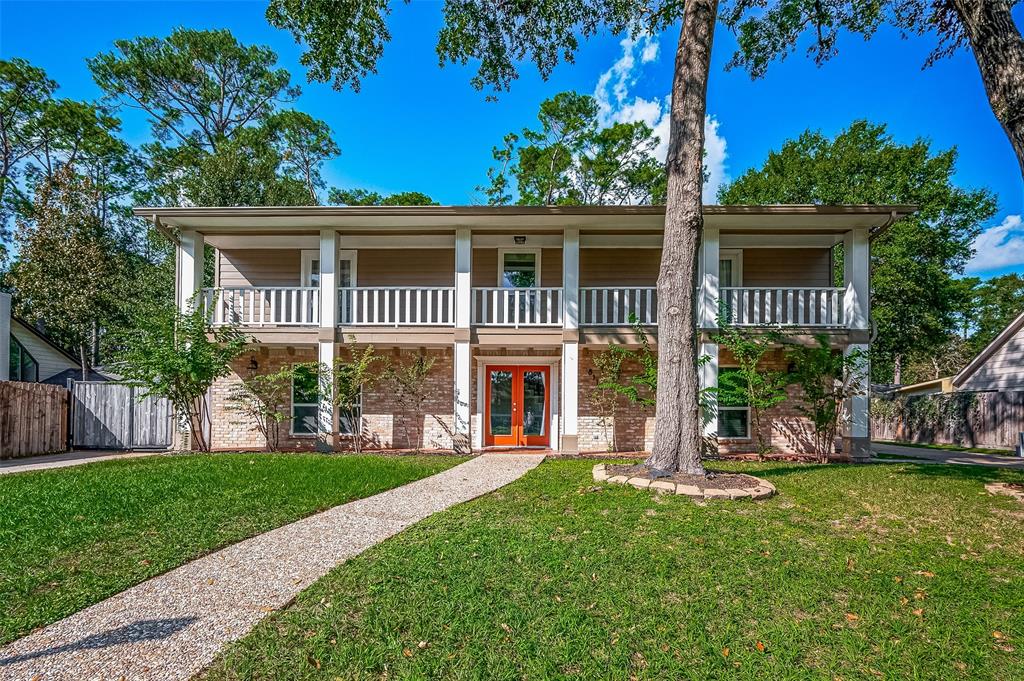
(518, 406)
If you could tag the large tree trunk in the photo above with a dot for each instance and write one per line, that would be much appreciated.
(999, 50)
(678, 433)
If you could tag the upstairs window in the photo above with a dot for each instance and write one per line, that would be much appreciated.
(23, 366)
(520, 269)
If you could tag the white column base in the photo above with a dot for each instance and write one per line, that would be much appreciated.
(571, 399)
(708, 372)
(326, 420)
(461, 407)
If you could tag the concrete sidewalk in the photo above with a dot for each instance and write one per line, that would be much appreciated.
(76, 458)
(925, 455)
(174, 625)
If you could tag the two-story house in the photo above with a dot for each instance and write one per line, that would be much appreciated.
(514, 304)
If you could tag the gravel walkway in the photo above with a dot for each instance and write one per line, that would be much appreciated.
(173, 626)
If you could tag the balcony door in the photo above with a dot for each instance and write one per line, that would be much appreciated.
(518, 406)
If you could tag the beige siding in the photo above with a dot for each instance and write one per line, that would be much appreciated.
(260, 267)
(1003, 370)
(485, 267)
(619, 266)
(400, 267)
(551, 267)
(51, 362)
(787, 267)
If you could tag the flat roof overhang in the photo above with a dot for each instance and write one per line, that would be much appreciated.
(738, 219)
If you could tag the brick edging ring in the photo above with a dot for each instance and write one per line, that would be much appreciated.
(762, 490)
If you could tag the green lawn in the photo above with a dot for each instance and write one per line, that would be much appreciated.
(71, 537)
(951, 448)
(885, 571)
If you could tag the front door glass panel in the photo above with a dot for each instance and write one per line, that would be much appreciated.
(501, 402)
(518, 406)
(534, 401)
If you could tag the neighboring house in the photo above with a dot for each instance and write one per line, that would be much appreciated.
(513, 303)
(32, 356)
(1000, 366)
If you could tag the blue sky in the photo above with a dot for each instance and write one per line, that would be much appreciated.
(415, 126)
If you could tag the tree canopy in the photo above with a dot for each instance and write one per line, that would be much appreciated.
(363, 197)
(570, 159)
(915, 265)
(220, 134)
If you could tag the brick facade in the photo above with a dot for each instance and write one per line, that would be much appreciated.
(391, 422)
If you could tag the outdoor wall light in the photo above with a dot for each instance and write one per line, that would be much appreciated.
(520, 240)
(253, 364)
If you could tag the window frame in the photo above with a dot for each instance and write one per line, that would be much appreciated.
(501, 266)
(735, 255)
(17, 345)
(719, 409)
(294, 404)
(311, 254)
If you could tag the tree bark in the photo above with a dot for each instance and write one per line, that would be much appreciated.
(999, 50)
(678, 436)
(897, 369)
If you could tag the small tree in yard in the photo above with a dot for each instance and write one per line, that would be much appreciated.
(179, 356)
(360, 371)
(264, 399)
(608, 366)
(758, 388)
(409, 381)
(828, 378)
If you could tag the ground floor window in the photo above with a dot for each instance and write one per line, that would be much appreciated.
(733, 411)
(305, 405)
(22, 365)
(305, 400)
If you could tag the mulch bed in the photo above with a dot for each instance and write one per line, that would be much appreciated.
(713, 479)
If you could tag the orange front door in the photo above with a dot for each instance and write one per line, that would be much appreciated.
(518, 400)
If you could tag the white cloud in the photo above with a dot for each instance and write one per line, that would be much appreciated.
(615, 105)
(999, 246)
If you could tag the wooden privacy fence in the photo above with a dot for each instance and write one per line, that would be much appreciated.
(33, 419)
(993, 419)
(115, 416)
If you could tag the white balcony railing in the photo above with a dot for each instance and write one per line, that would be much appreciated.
(517, 307)
(810, 306)
(263, 305)
(615, 306)
(396, 306)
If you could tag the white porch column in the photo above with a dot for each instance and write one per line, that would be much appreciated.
(856, 268)
(326, 422)
(325, 414)
(708, 374)
(570, 340)
(707, 308)
(857, 440)
(328, 280)
(191, 265)
(461, 357)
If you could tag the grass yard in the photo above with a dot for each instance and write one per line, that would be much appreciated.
(867, 572)
(951, 448)
(71, 537)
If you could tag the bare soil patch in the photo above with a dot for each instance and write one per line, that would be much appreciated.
(712, 480)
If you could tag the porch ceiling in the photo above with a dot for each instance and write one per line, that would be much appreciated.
(632, 219)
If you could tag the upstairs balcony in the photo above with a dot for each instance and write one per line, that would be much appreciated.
(606, 306)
